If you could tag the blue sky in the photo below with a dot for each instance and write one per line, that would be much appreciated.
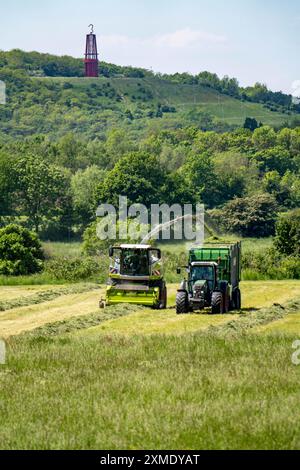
(251, 40)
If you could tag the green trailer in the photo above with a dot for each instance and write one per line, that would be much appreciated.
(135, 277)
(213, 277)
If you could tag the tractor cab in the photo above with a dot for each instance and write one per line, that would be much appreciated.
(202, 281)
(201, 273)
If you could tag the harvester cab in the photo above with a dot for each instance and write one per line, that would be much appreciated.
(212, 281)
(135, 276)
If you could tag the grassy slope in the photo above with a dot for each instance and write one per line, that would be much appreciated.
(182, 97)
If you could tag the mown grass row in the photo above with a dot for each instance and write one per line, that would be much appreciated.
(241, 323)
(83, 322)
(254, 319)
(45, 296)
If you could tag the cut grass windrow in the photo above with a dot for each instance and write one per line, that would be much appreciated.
(255, 319)
(45, 296)
(84, 321)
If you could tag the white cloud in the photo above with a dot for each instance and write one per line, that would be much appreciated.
(184, 50)
(178, 39)
(296, 88)
(296, 91)
(115, 40)
(187, 37)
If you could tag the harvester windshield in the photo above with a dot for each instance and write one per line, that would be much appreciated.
(134, 262)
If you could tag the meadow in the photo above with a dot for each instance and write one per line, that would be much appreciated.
(129, 377)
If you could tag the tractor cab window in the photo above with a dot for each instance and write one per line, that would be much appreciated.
(134, 263)
(203, 273)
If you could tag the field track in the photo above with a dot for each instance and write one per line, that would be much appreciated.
(83, 301)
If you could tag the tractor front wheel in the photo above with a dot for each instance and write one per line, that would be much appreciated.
(181, 303)
(217, 304)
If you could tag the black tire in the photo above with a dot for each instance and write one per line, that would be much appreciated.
(217, 303)
(164, 298)
(237, 299)
(181, 303)
(226, 302)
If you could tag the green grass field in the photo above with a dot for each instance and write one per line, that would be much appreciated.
(183, 97)
(128, 377)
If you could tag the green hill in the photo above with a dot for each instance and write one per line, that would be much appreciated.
(91, 106)
(184, 97)
(135, 99)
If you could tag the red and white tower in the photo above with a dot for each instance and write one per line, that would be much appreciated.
(91, 55)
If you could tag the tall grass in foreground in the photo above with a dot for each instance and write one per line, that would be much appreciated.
(194, 391)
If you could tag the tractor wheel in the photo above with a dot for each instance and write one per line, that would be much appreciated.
(101, 304)
(236, 297)
(181, 303)
(217, 303)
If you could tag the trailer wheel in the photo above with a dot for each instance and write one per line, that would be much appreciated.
(217, 303)
(226, 302)
(181, 303)
(237, 301)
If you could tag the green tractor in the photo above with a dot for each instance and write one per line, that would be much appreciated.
(214, 273)
(135, 277)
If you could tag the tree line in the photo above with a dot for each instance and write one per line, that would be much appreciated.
(54, 187)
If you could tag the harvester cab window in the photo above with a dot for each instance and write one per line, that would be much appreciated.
(134, 263)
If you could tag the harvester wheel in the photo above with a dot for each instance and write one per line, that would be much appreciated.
(164, 298)
(181, 303)
(217, 303)
(101, 304)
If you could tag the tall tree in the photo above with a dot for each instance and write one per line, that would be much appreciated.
(41, 189)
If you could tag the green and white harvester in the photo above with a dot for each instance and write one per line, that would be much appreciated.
(213, 277)
(135, 277)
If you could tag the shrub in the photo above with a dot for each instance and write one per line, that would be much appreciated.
(287, 239)
(92, 245)
(270, 264)
(20, 251)
(253, 216)
(77, 269)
